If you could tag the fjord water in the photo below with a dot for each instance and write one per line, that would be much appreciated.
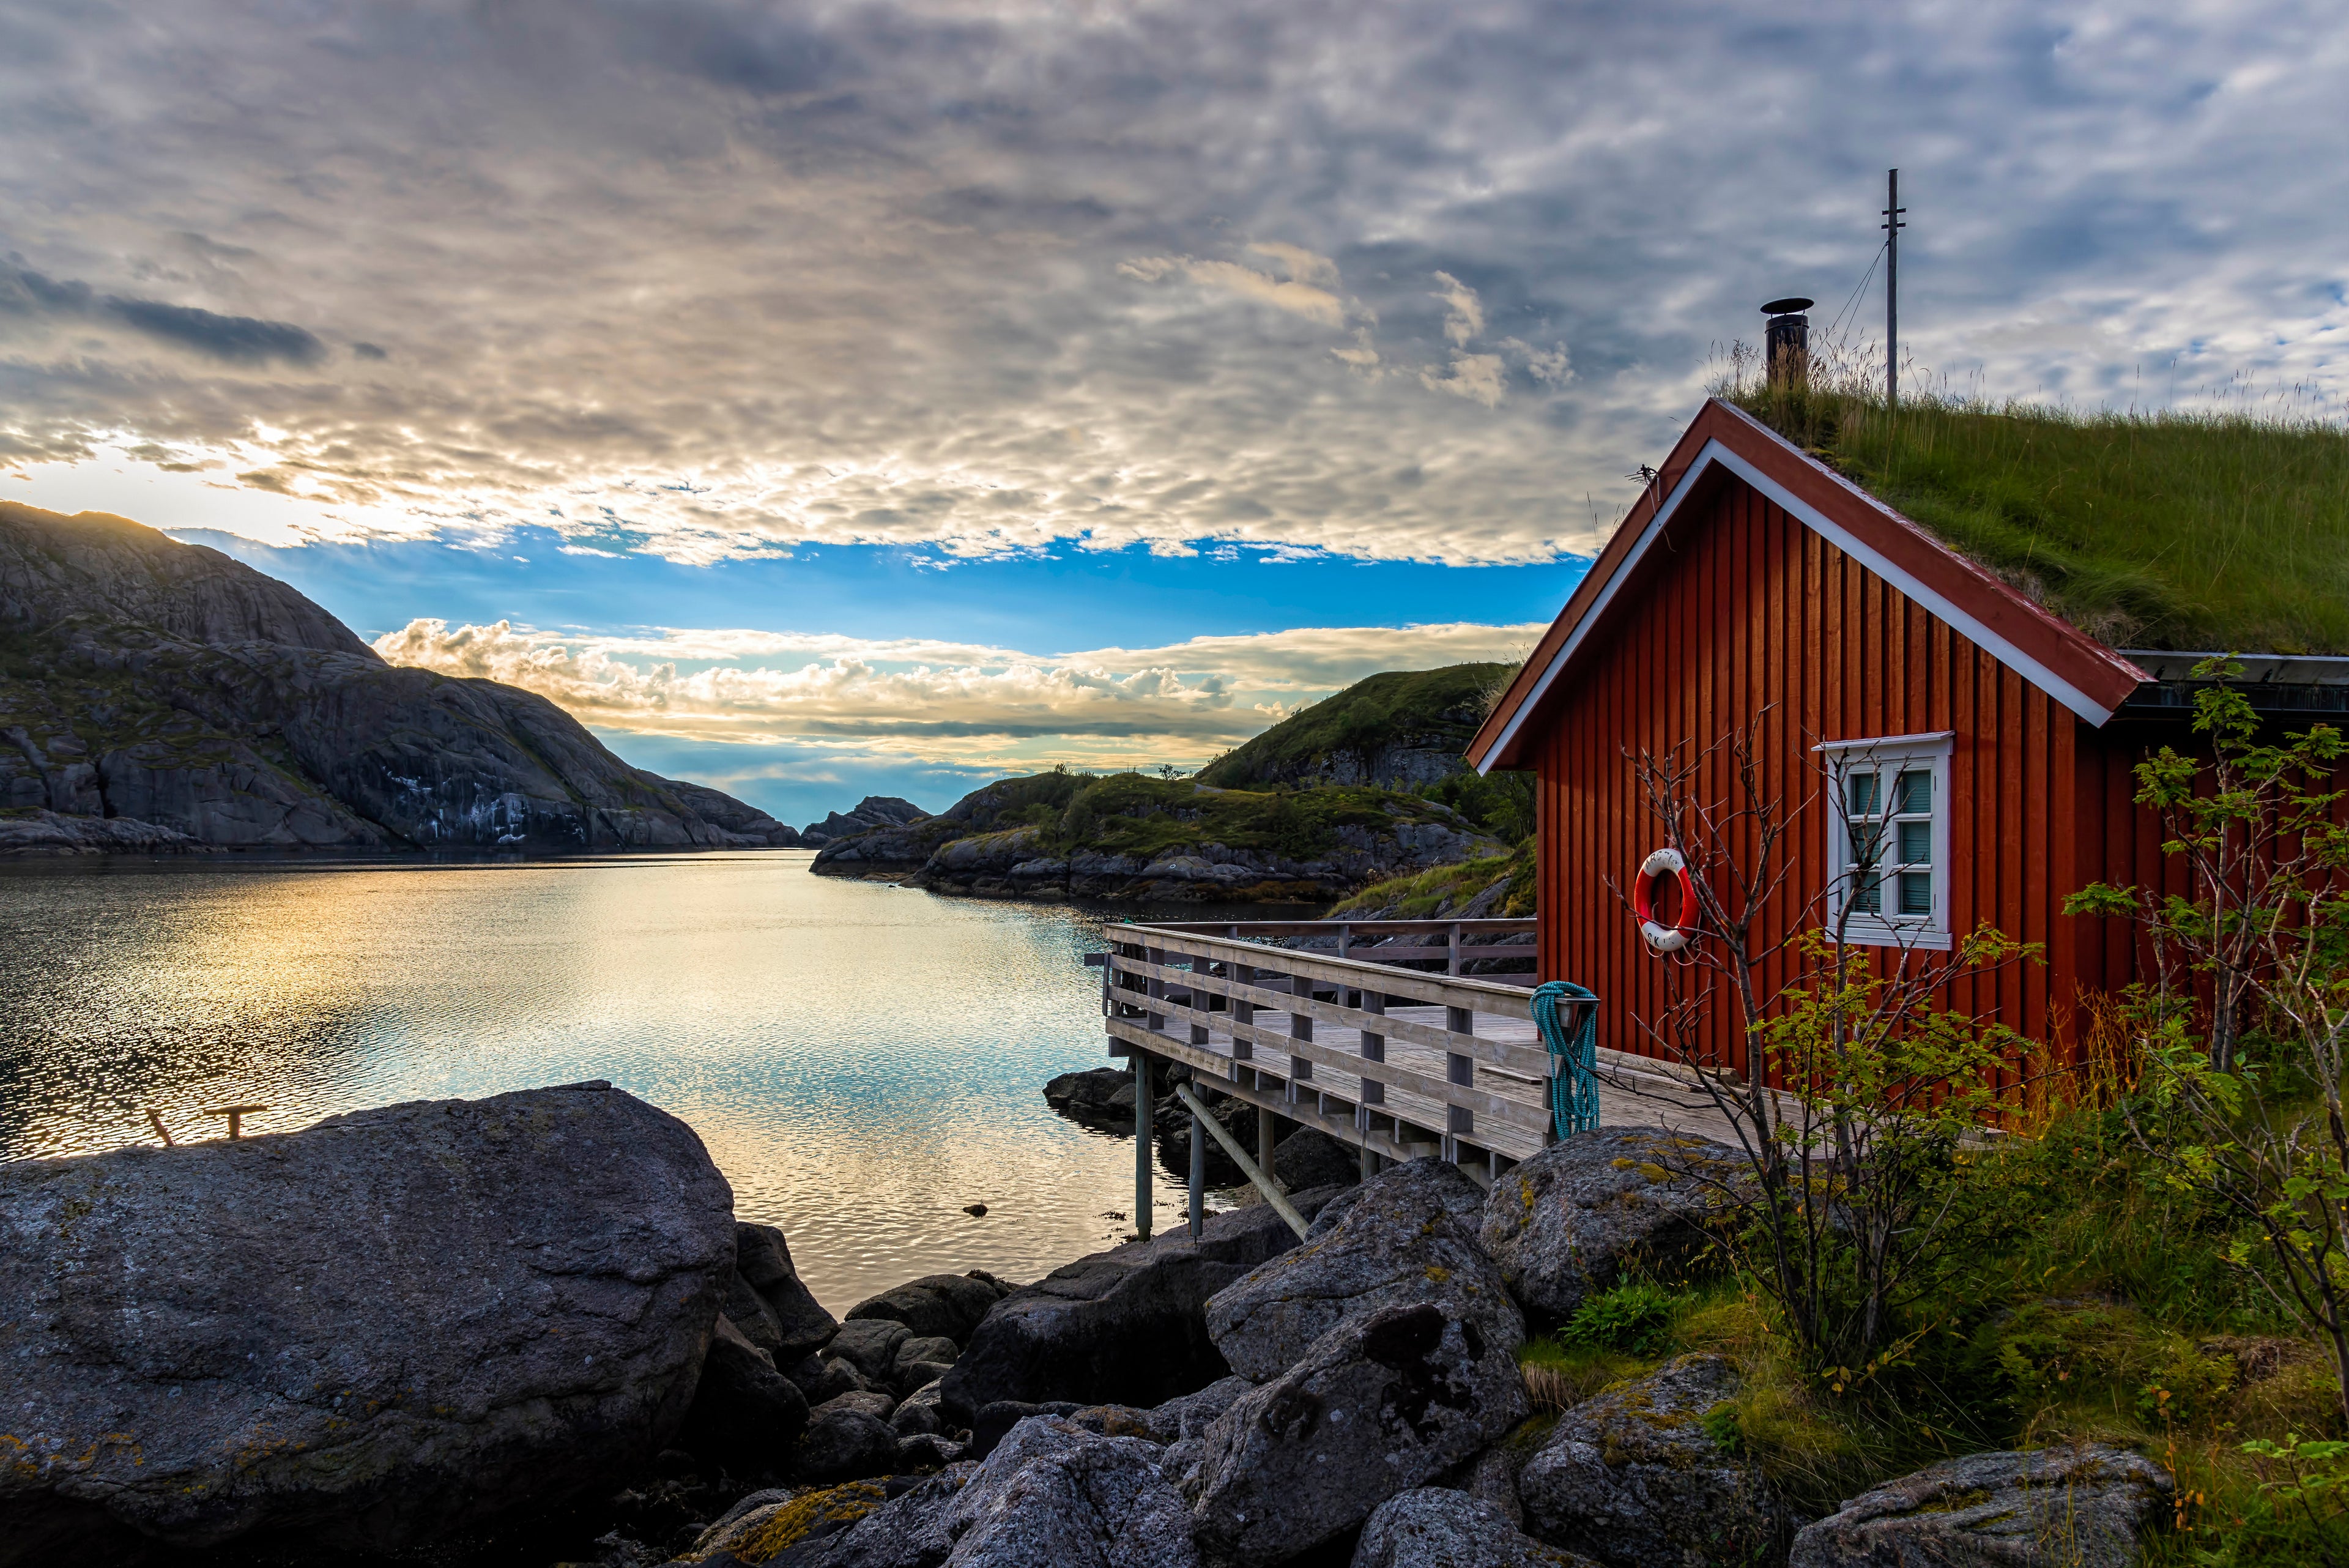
(862, 1060)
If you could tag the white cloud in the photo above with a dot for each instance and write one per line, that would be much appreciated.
(1464, 313)
(1479, 378)
(951, 703)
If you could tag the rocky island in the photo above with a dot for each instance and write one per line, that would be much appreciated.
(563, 1345)
(163, 697)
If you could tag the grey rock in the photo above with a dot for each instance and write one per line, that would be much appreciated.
(1192, 1414)
(927, 1451)
(1633, 1478)
(870, 1344)
(1397, 1238)
(2088, 1506)
(427, 1314)
(823, 1378)
(917, 1413)
(1434, 1528)
(909, 1376)
(763, 1258)
(1127, 1325)
(753, 1319)
(1309, 1157)
(1087, 1095)
(995, 1421)
(934, 1348)
(937, 1306)
(202, 697)
(874, 811)
(1052, 1493)
(813, 1527)
(1560, 1223)
(844, 1443)
(745, 1414)
(1385, 1401)
(872, 1403)
(1493, 1480)
(48, 833)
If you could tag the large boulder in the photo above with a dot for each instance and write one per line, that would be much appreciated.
(1434, 1528)
(870, 1344)
(802, 1327)
(1405, 1235)
(390, 1324)
(1634, 1478)
(1385, 1401)
(845, 1441)
(937, 1306)
(1127, 1325)
(1559, 1223)
(1050, 1495)
(1309, 1157)
(745, 1414)
(2086, 1506)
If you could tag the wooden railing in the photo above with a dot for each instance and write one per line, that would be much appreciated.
(1399, 1063)
(1484, 943)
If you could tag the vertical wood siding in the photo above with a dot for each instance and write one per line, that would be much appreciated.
(1744, 617)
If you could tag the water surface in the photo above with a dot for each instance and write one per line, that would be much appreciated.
(862, 1060)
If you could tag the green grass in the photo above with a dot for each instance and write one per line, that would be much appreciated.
(1437, 709)
(1439, 893)
(1133, 813)
(2224, 532)
(2093, 1304)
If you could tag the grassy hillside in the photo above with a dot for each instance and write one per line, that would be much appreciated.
(1346, 737)
(2176, 531)
(1444, 892)
(1132, 814)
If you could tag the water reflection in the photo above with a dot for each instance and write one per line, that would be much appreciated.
(862, 1061)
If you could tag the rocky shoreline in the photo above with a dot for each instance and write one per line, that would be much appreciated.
(529, 1328)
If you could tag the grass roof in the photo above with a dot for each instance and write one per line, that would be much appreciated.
(2221, 532)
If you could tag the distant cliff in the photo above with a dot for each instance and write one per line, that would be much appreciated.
(1130, 836)
(155, 695)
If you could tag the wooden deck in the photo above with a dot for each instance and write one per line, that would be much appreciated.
(1398, 1062)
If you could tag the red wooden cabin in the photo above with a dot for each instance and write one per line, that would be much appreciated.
(1752, 586)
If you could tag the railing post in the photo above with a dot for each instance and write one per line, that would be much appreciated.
(1452, 950)
(1154, 1021)
(1142, 1119)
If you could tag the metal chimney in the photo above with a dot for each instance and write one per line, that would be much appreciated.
(1786, 345)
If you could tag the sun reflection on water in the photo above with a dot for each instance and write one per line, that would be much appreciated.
(862, 1061)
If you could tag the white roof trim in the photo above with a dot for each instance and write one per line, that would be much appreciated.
(1890, 743)
(1714, 452)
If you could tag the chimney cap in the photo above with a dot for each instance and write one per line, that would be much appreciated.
(1787, 306)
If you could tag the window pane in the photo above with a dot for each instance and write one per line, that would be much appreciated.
(1913, 792)
(1915, 843)
(1863, 795)
(1867, 893)
(1916, 892)
(1866, 844)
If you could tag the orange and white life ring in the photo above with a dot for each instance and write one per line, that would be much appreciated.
(1671, 935)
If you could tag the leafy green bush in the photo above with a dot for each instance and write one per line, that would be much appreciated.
(1636, 1316)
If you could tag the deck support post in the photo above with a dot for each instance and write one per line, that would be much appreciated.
(1255, 1173)
(1265, 1136)
(1143, 1117)
(1199, 1177)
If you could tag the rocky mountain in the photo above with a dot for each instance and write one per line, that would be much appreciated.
(1132, 837)
(1404, 729)
(873, 811)
(155, 695)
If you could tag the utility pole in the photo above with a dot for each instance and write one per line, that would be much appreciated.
(1892, 227)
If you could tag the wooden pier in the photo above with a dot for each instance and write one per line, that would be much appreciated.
(1321, 1022)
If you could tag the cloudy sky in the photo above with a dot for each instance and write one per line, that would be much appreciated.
(831, 397)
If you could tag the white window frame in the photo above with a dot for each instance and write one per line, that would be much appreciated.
(1887, 756)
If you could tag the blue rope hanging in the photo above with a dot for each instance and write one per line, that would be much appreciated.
(1574, 1081)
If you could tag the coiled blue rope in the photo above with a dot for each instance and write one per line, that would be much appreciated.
(1573, 1081)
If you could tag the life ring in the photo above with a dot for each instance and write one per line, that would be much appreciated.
(1663, 938)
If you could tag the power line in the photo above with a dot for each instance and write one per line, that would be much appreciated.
(1858, 289)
